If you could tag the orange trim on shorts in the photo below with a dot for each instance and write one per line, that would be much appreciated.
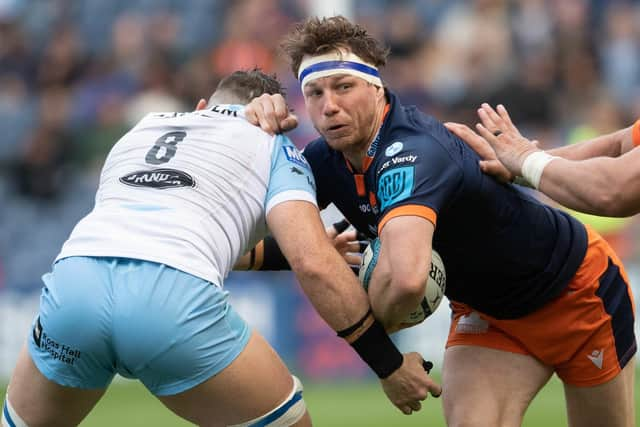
(409, 210)
(635, 133)
(572, 333)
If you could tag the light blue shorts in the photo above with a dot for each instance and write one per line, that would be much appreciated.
(102, 316)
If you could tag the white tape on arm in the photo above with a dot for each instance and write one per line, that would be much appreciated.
(534, 165)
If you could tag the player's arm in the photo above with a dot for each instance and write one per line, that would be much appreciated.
(267, 256)
(341, 301)
(601, 185)
(398, 282)
(610, 145)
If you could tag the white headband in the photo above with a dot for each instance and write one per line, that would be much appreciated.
(314, 67)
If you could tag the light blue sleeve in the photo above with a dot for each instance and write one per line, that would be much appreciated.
(291, 177)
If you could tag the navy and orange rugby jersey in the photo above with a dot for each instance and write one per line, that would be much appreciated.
(506, 254)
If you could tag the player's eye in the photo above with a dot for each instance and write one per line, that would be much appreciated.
(313, 93)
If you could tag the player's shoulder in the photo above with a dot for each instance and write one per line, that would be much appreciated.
(317, 147)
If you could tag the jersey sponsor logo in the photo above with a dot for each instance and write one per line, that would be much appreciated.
(596, 357)
(395, 185)
(365, 207)
(37, 331)
(472, 323)
(296, 171)
(393, 149)
(409, 158)
(295, 156)
(159, 178)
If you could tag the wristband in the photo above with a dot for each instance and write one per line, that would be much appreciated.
(635, 134)
(345, 333)
(534, 165)
(273, 259)
(375, 347)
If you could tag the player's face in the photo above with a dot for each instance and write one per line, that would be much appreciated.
(343, 109)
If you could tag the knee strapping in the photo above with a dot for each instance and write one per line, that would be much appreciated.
(9, 416)
(285, 415)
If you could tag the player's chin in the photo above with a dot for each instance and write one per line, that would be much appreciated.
(339, 143)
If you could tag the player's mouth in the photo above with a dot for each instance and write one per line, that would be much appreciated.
(335, 129)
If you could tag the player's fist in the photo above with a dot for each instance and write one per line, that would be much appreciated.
(410, 384)
(271, 113)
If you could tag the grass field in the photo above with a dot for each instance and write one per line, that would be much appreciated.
(128, 404)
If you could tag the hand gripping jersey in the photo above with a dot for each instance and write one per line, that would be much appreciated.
(190, 190)
(506, 253)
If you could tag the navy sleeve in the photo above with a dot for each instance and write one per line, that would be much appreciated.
(419, 171)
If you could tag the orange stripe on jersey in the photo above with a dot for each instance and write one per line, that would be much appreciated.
(366, 163)
(409, 210)
(372, 199)
(362, 190)
(635, 134)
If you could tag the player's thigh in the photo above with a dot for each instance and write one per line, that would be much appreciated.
(254, 384)
(611, 404)
(487, 387)
(40, 402)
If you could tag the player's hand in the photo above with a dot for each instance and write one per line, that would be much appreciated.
(509, 145)
(271, 113)
(349, 243)
(489, 163)
(408, 386)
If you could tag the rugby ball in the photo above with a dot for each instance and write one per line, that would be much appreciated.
(434, 291)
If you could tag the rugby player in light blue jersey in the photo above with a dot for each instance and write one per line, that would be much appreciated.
(137, 289)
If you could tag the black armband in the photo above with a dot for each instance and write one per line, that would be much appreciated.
(273, 259)
(374, 346)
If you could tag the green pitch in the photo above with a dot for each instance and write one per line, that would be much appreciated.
(128, 404)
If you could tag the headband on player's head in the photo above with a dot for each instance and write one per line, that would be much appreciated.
(339, 62)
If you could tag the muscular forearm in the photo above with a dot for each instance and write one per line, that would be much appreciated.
(392, 305)
(398, 281)
(599, 186)
(610, 145)
(323, 278)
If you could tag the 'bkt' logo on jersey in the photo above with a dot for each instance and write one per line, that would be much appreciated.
(159, 178)
(295, 156)
(395, 185)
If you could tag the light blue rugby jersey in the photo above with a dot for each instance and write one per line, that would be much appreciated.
(291, 177)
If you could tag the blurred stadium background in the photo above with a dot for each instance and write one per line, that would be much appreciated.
(75, 74)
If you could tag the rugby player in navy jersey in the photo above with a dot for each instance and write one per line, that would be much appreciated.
(533, 291)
